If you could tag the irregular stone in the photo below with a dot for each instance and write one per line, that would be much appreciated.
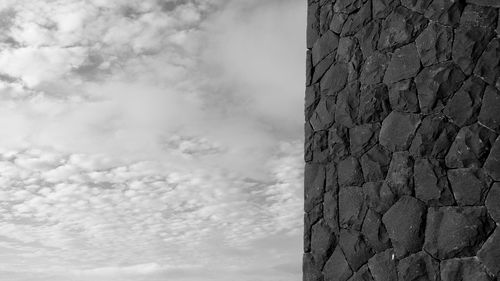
(331, 182)
(349, 172)
(363, 137)
(325, 16)
(383, 266)
(312, 29)
(355, 249)
(378, 196)
(338, 142)
(337, 22)
(489, 254)
(474, 15)
(463, 107)
(374, 68)
(434, 44)
(419, 6)
(320, 69)
(466, 269)
(368, 37)
(468, 45)
(374, 232)
(400, 174)
(324, 114)
(398, 130)
(456, 231)
(469, 186)
(324, 46)
(334, 79)
(488, 65)
(316, 145)
(357, 20)
(347, 6)
(323, 240)
(431, 184)
(492, 164)
(434, 137)
(346, 49)
(346, 108)
(331, 210)
(373, 104)
(404, 64)
(314, 185)
(488, 116)
(363, 274)
(446, 12)
(470, 148)
(311, 218)
(337, 268)
(405, 222)
(309, 67)
(492, 202)
(311, 100)
(400, 27)
(489, 3)
(419, 266)
(375, 163)
(310, 269)
(403, 96)
(436, 83)
(352, 208)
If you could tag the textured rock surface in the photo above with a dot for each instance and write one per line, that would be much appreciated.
(402, 146)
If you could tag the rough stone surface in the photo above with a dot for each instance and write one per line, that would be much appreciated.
(400, 175)
(398, 130)
(493, 202)
(446, 12)
(431, 184)
(419, 266)
(492, 164)
(434, 137)
(405, 222)
(355, 248)
(400, 27)
(489, 116)
(488, 3)
(403, 96)
(488, 65)
(374, 104)
(326, 45)
(456, 231)
(378, 196)
(469, 186)
(337, 268)
(375, 233)
(404, 64)
(467, 269)
(489, 254)
(374, 68)
(375, 163)
(352, 207)
(463, 107)
(469, 44)
(434, 44)
(383, 266)
(322, 242)
(363, 274)
(349, 172)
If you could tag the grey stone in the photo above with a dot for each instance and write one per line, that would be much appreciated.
(404, 64)
(324, 115)
(490, 3)
(375, 163)
(311, 100)
(492, 202)
(492, 164)
(400, 174)
(469, 186)
(357, 20)
(419, 6)
(489, 115)
(403, 96)
(400, 27)
(363, 137)
(436, 83)
(374, 232)
(474, 15)
(431, 183)
(363, 274)
(374, 68)
(368, 38)
(323, 240)
(434, 137)
(374, 104)
(352, 208)
(456, 231)
(470, 148)
(349, 172)
(383, 266)
(320, 69)
(382, 8)
(337, 22)
(331, 210)
(398, 130)
(314, 185)
(310, 269)
(489, 254)
(334, 79)
(405, 222)
(324, 46)
(355, 248)
(466, 269)
(337, 268)
(446, 12)
(463, 107)
(347, 6)
(488, 65)
(346, 108)
(378, 196)
(434, 44)
(338, 142)
(418, 267)
(311, 218)
(468, 45)
(312, 29)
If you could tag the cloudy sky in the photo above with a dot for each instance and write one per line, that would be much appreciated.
(151, 140)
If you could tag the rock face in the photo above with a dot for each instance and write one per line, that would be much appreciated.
(402, 140)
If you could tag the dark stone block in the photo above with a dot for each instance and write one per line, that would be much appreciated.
(337, 268)
(375, 163)
(314, 185)
(493, 202)
(446, 12)
(323, 241)
(309, 67)
(331, 210)
(334, 79)
(489, 3)
(474, 15)
(431, 183)
(492, 164)
(325, 16)
(363, 274)
(312, 29)
(347, 105)
(469, 186)
(468, 45)
(357, 20)
(489, 115)
(456, 231)
(368, 38)
(363, 137)
(374, 104)
(470, 148)
(382, 8)
(374, 68)
(338, 142)
(320, 69)
(418, 267)
(404, 64)
(419, 6)
(398, 130)
(310, 218)
(324, 115)
(400, 174)
(434, 137)
(489, 254)
(403, 96)
(355, 248)
(324, 46)
(488, 65)
(346, 49)
(348, 6)
(405, 222)
(349, 172)
(331, 178)
(374, 232)
(352, 208)
(311, 100)
(316, 146)
(310, 269)
(466, 269)
(378, 196)
(434, 44)
(436, 83)
(383, 266)
(400, 27)
(463, 107)
(337, 22)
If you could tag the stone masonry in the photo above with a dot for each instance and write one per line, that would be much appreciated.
(402, 146)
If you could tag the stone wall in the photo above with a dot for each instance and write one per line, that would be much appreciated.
(402, 118)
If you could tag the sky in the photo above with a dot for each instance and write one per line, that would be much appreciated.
(151, 140)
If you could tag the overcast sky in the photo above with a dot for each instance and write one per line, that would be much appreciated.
(151, 140)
